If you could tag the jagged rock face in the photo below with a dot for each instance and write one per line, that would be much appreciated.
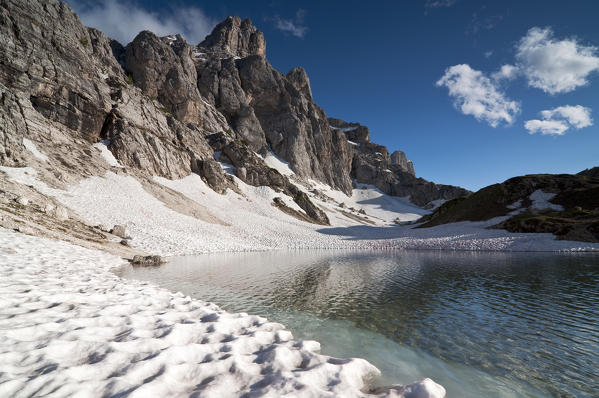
(252, 170)
(47, 65)
(233, 37)
(164, 70)
(12, 124)
(299, 79)
(62, 86)
(296, 129)
(376, 169)
(392, 174)
(219, 83)
(157, 143)
(399, 158)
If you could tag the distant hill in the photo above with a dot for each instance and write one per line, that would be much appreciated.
(565, 205)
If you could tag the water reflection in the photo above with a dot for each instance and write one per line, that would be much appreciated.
(514, 324)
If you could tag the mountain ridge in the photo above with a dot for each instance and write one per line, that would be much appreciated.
(167, 108)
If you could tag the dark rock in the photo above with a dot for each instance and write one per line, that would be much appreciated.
(147, 260)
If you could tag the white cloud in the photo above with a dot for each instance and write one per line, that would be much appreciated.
(559, 120)
(296, 27)
(508, 72)
(546, 127)
(578, 116)
(488, 54)
(555, 66)
(477, 95)
(123, 20)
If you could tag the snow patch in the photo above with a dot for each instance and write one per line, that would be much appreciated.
(515, 205)
(102, 146)
(30, 146)
(278, 164)
(540, 201)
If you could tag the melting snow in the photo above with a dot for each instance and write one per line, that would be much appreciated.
(278, 164)
(540, 201)
(102, 146)
(70, 327)
(30, 146)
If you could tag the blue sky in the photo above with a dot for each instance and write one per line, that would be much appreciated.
(424, 75)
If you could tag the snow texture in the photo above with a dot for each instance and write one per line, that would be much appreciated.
(251, 223)
(70, 327)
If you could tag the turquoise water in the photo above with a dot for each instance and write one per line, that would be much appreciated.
(480, 324)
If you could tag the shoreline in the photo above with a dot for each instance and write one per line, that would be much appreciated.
(85, 324)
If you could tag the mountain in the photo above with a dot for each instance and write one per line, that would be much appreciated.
(562, 204)
(167, 108)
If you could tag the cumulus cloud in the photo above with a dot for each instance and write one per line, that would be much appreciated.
(507, 72)
(123, 20)
(296, 26)
(546, 127)
(559, 120)
(555, 66)
(477, 95)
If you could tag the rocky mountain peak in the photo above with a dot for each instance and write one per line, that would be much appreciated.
(299, 79)
(399, 158)
(236, 38)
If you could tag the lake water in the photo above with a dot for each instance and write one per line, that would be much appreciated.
(480, 324)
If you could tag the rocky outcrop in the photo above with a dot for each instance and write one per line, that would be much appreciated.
(392, 174)
(235, 38)
(252, 170)
(164, 70)
(569, 205)
(399, 158)
(268, 109)
(62, 84)
(296, 129)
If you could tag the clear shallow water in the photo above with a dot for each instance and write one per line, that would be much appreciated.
(480, 324)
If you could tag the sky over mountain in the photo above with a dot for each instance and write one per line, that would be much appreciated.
(473, 91)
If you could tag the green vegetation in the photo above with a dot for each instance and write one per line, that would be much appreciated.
(130, 79)
(84, 42)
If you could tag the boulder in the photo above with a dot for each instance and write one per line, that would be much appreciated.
(147, 260)
(119, 230)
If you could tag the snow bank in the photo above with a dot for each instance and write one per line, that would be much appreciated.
(70, 327)
(251, 223)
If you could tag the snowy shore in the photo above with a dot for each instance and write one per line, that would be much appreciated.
(70, 327)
